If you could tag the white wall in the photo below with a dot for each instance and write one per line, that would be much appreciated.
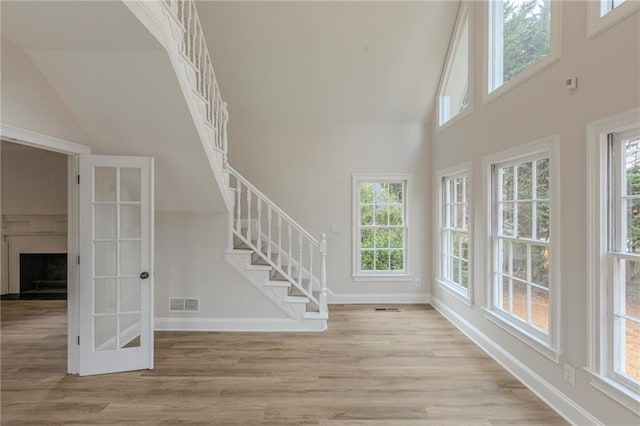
(29, 102)
(189, 250)
(306, 169)
(34, 181)
(607, 68)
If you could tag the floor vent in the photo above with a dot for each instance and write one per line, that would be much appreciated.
(386, 309)
(189, 304)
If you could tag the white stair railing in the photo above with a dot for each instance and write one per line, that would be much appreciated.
(194, 48)
(289, 249)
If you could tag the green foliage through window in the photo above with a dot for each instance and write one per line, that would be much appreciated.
(382, 226)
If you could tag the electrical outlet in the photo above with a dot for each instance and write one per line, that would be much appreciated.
(418, 283)
(569, 374)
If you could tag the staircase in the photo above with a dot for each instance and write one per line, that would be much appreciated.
(273, 252)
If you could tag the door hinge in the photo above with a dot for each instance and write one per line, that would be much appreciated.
(78, 340)
(78, 259)
(78, 179)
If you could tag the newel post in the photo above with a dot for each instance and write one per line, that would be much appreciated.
(323, 274)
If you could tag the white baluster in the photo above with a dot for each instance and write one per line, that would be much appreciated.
(269, 232)
(249, 214)
(323, 274)
(259, 243)
(279, 241)
(225, 113)
(310, 268)
(289, 252)
(300, 259)
(239, 205)
(190, 33)
(230, 228)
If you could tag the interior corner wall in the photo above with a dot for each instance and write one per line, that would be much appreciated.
(607, 68)
(29, 102)
(306, 169)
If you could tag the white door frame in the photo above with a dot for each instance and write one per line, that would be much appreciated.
(72, 150)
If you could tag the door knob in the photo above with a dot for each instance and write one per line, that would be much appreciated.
(144, 275)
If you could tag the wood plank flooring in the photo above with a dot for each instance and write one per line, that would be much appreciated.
(370, 368)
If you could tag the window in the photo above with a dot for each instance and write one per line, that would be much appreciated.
(521, 35)
(380, 224)
(604, 14)
(524, 293)
(453, 98)
(614, 270)
(624, 256)
(454, 222)
(607, 6)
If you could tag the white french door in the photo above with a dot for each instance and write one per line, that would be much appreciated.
(115, 264)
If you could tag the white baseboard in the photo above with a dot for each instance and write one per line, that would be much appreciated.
(366, 298)
(563, 405)
(236, 324)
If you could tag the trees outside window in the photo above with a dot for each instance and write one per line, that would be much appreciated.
(381, 226)
(519, 36)
(521, 241)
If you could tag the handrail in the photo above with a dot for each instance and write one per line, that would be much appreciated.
(273, 206)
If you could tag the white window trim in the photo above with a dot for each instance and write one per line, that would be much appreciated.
(597, 24)
(531, 71)
(549, 347)
(453, 289)
(357, 275)
(597, 207)
(465, 12)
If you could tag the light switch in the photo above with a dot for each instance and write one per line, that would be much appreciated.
(336, 229)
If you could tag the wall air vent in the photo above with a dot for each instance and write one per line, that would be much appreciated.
(188, 304)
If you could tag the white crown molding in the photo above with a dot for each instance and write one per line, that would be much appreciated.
(561, 403)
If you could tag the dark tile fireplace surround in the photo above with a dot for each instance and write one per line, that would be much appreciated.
(43, 276)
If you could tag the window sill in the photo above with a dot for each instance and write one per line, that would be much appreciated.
(615, 391)
(517, 80)
(455, 119)
(453, 290)
(382, 278)
(525, 336)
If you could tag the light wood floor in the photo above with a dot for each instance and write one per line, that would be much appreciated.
(386, 368)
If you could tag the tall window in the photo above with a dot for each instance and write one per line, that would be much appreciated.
(519, 36)
(614, 261)
(521, 242)
(454, 232)
(453, 97)
(624, 257)
(380, 209)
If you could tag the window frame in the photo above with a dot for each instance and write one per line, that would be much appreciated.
(464, 169)
(465, 12)
(597, 23)
(387, 276)
(600, 301)
(490, 54)
(548, 345)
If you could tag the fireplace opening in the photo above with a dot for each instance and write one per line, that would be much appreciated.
(43, 276)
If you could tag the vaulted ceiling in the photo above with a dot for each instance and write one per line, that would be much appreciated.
(328, 62)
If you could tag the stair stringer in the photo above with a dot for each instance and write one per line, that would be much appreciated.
(170, 33)
(240, 261)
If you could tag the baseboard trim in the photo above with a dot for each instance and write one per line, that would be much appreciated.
(563, 405)
(366, 298)
(234, 324)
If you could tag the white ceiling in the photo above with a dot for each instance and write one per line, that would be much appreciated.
(375, 62)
